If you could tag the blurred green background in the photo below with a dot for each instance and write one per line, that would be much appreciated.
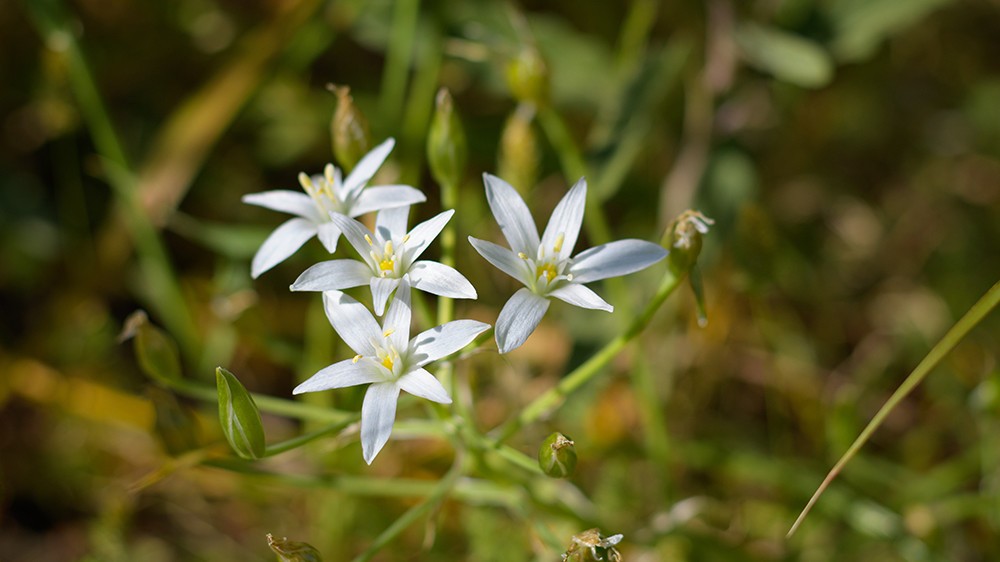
(848, 150)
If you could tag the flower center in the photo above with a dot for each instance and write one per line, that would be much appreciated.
(323, 191)
(387, 258)
(387, 362)
(548, 270)
(547, 267)
(385, 353)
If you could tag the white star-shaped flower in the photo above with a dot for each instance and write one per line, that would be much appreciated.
(325, 194)
(389, 253)
(545, 266)
(387, 359)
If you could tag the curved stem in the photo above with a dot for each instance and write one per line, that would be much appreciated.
(957, 332)
(554, 397)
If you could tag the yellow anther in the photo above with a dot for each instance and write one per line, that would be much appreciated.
(548, 270)
(328, 172)
(522, 255)
(369, 240)
(406, 239)
(386, 266)
(559, 242)
(388, 332)
(356, 359)
(388, 248)
(305, 181)
(387, 362)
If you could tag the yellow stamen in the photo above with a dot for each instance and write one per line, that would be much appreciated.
(328, 172)
(406, 239)
(356, 359)
(388, 332)
(559, 242)
(305, 181)
(548, 270)
(387, 362)
(522, 255)
(369, 240)
(388, 248)
(387, 265)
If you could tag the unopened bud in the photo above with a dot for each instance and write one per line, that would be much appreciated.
(684, 239)
(528, 77)
(591, 546)
(519, 157)
(348, 129)
(556, 456)
(239, 416)
(291, 551)
(446, 142)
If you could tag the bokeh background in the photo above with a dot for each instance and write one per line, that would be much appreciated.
(848, 150)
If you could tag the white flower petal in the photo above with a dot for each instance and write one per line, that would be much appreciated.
(566, 220)
(352, 321)
(329, 234)
(292, 202)
(578, 295)
(444, 340)
(386, 197)
(366, 168)
(355, 233)
(425, 385)
(503, 259)
(333, 275)
(377, 415)
(615, 258)
(381, 287)
(342, 374)
(512, 215)
(424, 233)
(439, 279)
(390, 223)
(397, 319)
(518, 318)
(283, 242)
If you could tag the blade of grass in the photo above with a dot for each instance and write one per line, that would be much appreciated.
(957, 332)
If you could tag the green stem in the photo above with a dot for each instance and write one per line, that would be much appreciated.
(265, 403)
(554, 397)
(957, 332)
(298, 441)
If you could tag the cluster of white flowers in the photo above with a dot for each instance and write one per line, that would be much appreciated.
(387, 358)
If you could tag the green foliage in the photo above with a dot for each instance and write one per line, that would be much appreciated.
(786, 56)
(847, 150)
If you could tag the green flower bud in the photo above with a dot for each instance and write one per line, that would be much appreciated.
(591, 546)
(155, 349)
(291, 551)
(349, 130)
(528, 77)
(556, 456)
(446, 149)
(684, 238)
(239, 416)
(519, 156)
